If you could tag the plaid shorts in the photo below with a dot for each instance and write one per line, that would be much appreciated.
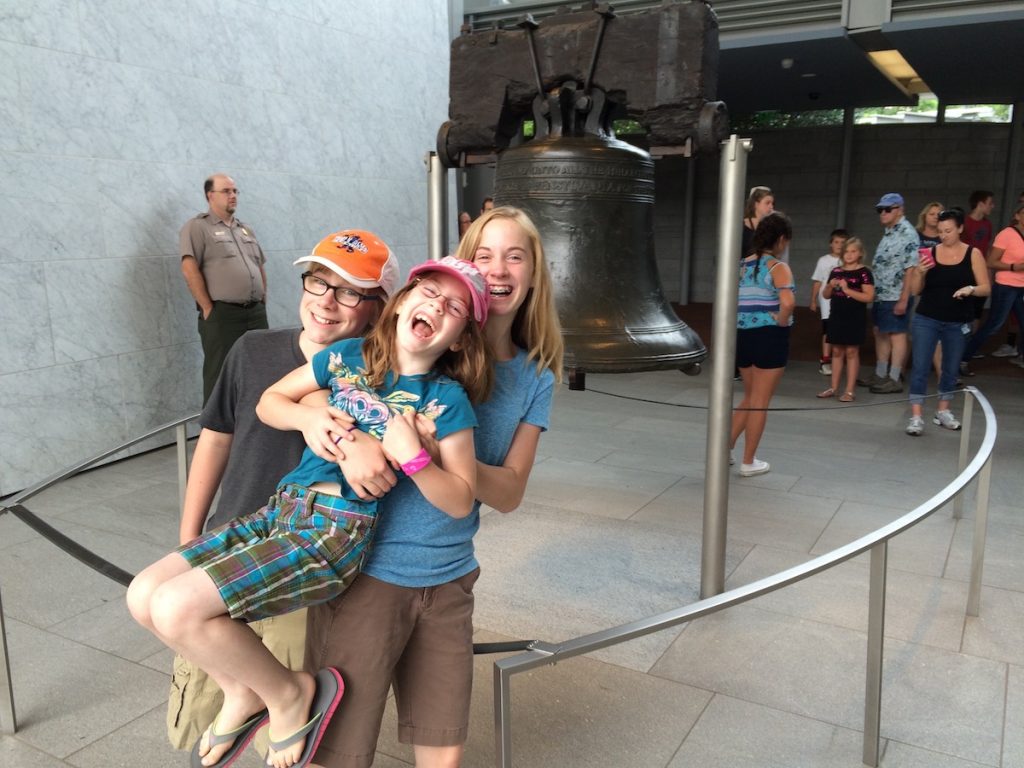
(305, 547)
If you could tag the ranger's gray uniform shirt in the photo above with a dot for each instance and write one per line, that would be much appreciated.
(228, 256)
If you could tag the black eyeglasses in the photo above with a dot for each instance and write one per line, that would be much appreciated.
(947, 215)
(344, 296)
(228, 191)
(888, 209)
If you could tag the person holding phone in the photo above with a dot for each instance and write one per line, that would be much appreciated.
(951, 272)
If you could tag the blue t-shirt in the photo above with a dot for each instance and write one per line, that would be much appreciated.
(417, 545)
(341, 367)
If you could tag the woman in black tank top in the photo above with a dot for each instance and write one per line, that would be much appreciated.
(947, 274)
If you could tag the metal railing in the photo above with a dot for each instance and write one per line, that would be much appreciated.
(545, 654)
(542, 653)
(15, 505)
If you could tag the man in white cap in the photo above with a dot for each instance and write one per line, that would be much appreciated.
(895, 256)
(346, 279)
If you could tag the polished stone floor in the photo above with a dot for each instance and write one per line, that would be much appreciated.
(610, 533)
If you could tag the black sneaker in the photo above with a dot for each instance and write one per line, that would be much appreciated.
(965, 369)
(887, 387)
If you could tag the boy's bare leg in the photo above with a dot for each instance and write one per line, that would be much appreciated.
(189, 612)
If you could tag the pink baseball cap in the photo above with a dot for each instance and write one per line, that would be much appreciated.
(467, 273)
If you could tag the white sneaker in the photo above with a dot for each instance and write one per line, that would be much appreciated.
(825, 369)
(916, 425)
(732, 459)
(756, 467)
(1018, 361)
(1006, 350)
(945, 419)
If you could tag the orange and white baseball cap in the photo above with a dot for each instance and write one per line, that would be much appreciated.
(359, 257)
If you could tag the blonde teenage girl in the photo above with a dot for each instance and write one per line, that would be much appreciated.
(413, 604)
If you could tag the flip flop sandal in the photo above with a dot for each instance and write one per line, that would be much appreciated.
(329, 690)
(849, 397)
(242, 736)
(827, 393)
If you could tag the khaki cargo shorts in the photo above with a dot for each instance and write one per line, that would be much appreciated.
(195, 699)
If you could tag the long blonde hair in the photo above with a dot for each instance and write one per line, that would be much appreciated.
(535, 327)
(470, 363)
(924, 212)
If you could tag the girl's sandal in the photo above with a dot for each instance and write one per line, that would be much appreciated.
(848, 397)
(827, 393)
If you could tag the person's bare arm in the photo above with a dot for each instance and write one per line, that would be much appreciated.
(279, 407)
(782, 275)
(207, 470)
(452, 489)
(503, 487)
(499, 486)
(360, 457)
(196, 284)
(995, 260)
(865, 295)
(981, 286)
(815, 290)
(901, 305)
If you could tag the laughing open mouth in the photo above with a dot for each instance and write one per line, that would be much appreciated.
(422, 326)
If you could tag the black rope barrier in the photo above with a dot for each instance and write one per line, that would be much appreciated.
(113, 572)
(71, 546)
(841, 407)
(122, 577)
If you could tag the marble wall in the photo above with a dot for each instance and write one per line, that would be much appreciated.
(111, 116)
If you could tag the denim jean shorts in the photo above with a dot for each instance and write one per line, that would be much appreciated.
(886, 321)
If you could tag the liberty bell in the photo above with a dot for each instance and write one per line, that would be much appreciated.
(590, 194)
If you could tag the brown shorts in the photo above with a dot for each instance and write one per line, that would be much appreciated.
(195, 699)
(420, 640)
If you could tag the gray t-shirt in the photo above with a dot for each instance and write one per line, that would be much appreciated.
(260, 455)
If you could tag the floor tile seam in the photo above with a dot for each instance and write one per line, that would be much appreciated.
(34, 747)
(886, 636)
(131, 523)
(52, 630)
(775, 708)
(932, 751)
(700, 716)
(1006, 714)
(885, 740)
(159, 706)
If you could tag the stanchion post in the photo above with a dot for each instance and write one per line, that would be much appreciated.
(965, 444)
(437, 207)
(502, 717)
(876, 631)
(733, 173)
(980, 535)
(8, 720)
(182, 442)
